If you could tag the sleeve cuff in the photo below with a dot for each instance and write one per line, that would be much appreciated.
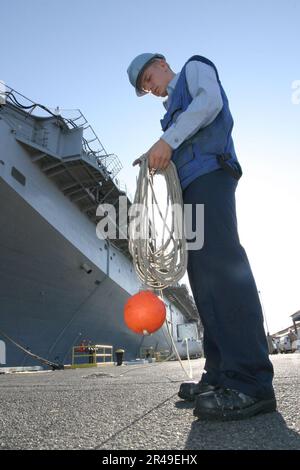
(172, 138)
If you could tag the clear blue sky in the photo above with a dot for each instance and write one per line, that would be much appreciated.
(74, 54)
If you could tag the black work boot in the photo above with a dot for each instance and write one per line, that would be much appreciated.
(226, 405)
(190, 390)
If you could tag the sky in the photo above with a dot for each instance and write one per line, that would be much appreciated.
(74, 54)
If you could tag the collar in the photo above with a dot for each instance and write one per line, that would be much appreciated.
(170, 88)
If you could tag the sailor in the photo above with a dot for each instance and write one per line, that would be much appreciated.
(292, 336)
(197, 126)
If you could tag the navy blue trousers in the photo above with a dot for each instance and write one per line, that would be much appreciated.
(224, 289)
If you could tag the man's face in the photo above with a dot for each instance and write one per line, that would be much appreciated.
(156, 78)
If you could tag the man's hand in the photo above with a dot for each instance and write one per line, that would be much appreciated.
(159, 155)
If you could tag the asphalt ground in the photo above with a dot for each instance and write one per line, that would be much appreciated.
(136, 407)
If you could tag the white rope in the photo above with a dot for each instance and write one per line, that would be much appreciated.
(161, 266)
(190, 373)
(158, 266)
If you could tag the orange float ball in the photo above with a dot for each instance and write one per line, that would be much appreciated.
(144, 312)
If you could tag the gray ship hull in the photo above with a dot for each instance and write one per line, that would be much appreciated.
(49, 304)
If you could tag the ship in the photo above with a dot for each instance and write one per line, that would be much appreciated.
(60, 284)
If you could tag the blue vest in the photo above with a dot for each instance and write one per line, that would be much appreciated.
(211, 148)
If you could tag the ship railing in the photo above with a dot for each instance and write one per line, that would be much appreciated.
(123, 188)
(92, 355)
(73, 118)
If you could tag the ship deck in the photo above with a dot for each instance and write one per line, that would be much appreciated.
(136, 407)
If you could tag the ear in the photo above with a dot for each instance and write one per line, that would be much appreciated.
(161, 63)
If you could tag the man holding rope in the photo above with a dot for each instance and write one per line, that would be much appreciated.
(197, 126)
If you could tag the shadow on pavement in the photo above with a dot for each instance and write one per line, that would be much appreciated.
(266, 431)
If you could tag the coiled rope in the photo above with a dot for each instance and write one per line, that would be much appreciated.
(158, 266)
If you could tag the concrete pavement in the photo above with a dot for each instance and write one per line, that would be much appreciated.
(136, 407)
